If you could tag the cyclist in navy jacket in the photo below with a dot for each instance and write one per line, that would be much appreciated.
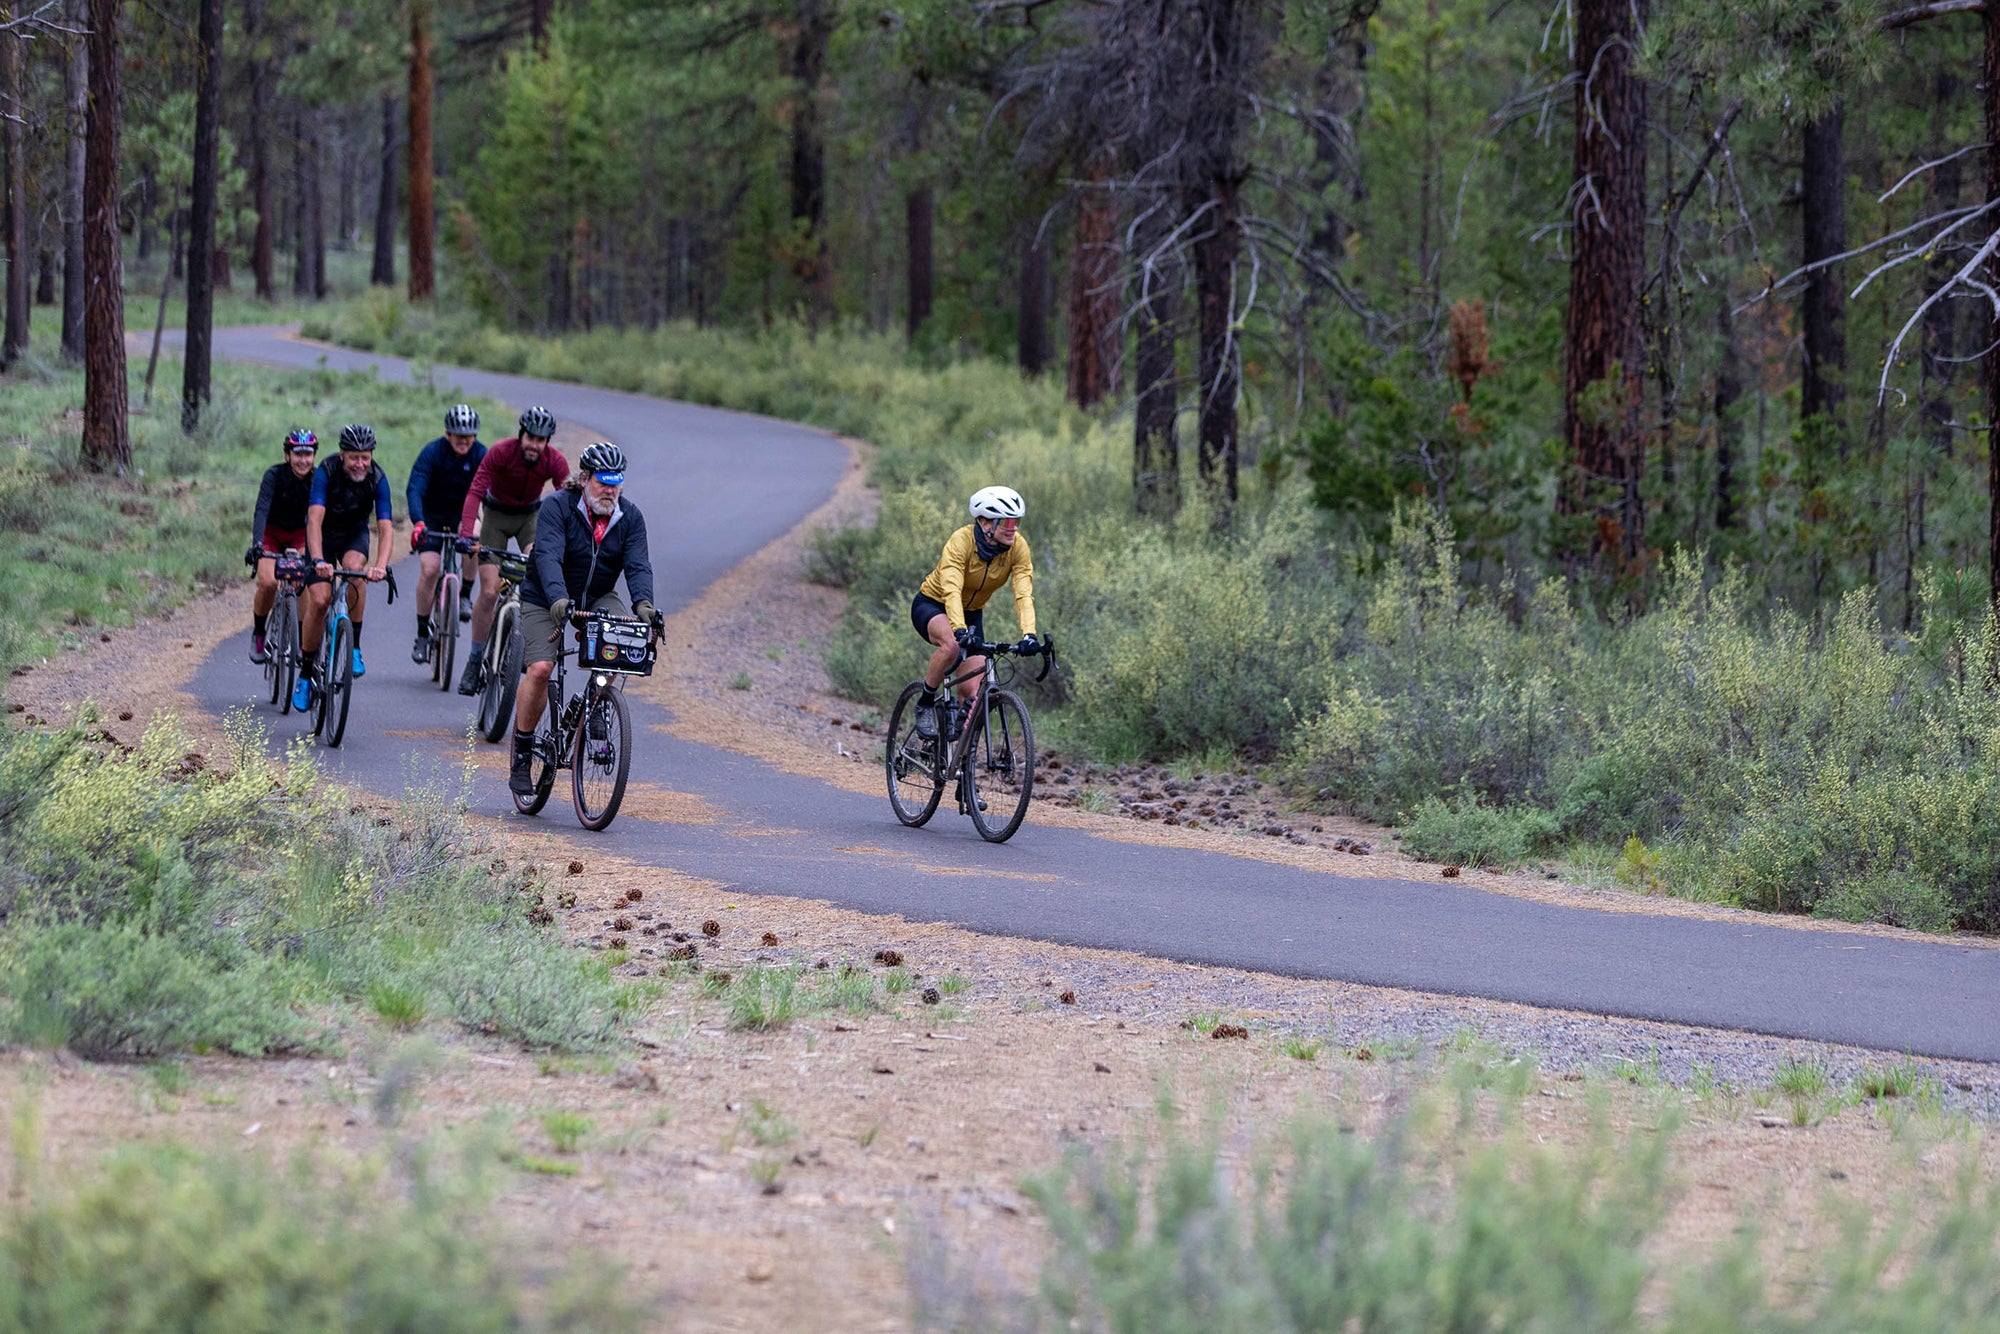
(439, 480)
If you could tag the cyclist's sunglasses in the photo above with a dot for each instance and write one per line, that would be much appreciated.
(302, 449)
(609, 478)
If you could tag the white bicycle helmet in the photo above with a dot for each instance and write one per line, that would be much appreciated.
(998, 502)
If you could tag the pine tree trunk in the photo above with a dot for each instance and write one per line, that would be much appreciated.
(539, 13)
(1823, 230)
(15, 340)
(422, 225)
(918, 212)
(301, 220)
(1990, 97)
(1728, 430)
(201, 240)
(384, 271)
(815, 29)
(1221, 355)
(1034, 340)
(1940, 334)
(76, 69)
(45, 275)
(315, 204)
(107, 437)
(345, 226)
(1156, 460)
(1599, 499)
(1094, 343)
(262, 262)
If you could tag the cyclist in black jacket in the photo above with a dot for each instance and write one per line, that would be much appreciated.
(348, 491)
(585, 537)
(278, 526)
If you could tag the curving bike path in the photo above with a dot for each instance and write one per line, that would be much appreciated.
(717, 486)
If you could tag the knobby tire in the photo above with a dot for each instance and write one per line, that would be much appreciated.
(1000, 766)
(911, 763)
(338, 687)
(599, 766)
(444, 634)
(544, 771)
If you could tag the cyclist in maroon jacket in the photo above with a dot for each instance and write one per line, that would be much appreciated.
(508, 488)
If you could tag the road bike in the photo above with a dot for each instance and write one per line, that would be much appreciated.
(591, 734)
(444, 608)
(332, 692)
(283, 656)
(987, 746)
(500, 669)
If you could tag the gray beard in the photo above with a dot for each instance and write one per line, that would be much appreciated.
(603, 506)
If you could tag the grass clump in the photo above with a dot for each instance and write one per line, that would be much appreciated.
(165, 1239)
(1471, 834)
(165, 901)
(565, 1129)
(764, 997)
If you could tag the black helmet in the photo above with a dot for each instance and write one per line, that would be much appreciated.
(357, 438)
(538, 421)
(461, 420)
(602, 457)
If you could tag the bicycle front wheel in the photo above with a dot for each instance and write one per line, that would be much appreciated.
(444, 634)
(911, 761)
(338, 687)
(281, 648)
(602, 759)
(544, 769)
(496, 703)
(1000, 768)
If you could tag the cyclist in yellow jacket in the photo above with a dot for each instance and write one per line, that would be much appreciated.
(949, 608)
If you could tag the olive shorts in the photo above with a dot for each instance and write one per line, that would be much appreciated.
(495, 528)
(538, 628)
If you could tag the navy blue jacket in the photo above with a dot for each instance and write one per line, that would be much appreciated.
(567, 553)
(438, 482)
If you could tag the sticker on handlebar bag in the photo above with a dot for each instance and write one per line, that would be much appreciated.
(618, 646)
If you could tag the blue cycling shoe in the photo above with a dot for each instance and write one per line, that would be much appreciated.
(359, 669)
(302, 695)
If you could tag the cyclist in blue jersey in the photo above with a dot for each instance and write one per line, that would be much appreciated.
(345, 490)
(439, 479)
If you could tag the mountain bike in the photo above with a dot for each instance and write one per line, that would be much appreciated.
(591, 734)
(444, 609)
(283, 656)
(500, 669)
(987, 746)
(332, 691)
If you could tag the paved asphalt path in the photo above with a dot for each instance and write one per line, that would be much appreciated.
(717, 486)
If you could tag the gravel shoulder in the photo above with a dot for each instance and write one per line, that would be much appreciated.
(924, 1119)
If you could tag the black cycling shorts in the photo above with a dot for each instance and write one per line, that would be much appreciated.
(923, 609)
(337, 545)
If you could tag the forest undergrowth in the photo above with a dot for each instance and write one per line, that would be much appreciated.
(1717, 745)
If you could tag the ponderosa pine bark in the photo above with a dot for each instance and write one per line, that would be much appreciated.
(1033, 343)
(1823, 231)
(107, 436)
(422, 223)
(1213, 194)
(19, 262)
(1156, 457)
(263, 263)
(1604, 348)
(76, 67)
(815, 23)
(1094, 341)
(201, 237)
(383, 274)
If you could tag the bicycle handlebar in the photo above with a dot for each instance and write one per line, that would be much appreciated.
(1045, 650)
(388, 577)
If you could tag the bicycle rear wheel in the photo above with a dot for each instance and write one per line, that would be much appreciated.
(496, 701)
(911, 762)
(1000, 767)
(444, 634)
(281, 648)
(602, 758)
(338, 687)
(544, 771)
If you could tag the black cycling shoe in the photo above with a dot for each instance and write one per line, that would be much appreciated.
(521, 781)
(464, 611)
(420, 652)
(468, 681)
(926, 721)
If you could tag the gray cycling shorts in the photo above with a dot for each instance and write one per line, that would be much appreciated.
(538, 628)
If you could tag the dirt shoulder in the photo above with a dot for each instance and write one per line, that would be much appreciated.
(756, 1178)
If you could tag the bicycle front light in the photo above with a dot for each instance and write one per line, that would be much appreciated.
(600, 680)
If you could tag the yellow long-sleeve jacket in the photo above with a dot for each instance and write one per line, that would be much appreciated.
(962, 582)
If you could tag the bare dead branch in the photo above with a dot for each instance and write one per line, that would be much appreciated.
(1963, 215)
(1921, 168)
(1964, 277)
(1903, 18)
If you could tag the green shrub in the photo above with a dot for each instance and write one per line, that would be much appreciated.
(1470, 834)
(164, 1240)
